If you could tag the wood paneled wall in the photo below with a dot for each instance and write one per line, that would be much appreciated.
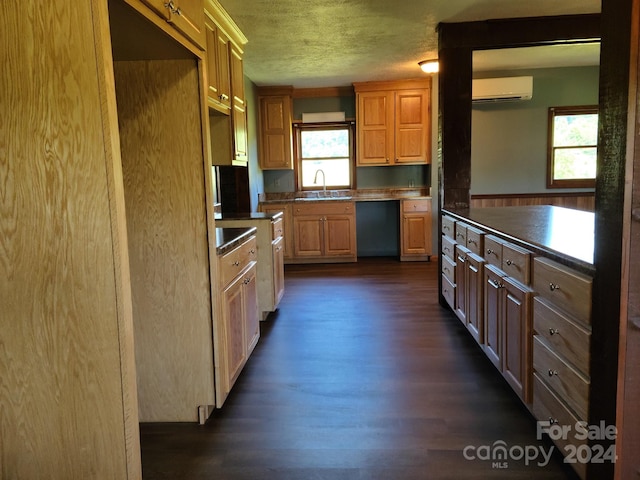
(579, 201)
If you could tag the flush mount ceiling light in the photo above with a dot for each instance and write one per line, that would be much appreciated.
(429, 66)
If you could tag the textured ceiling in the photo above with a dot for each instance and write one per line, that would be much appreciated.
(320, 43)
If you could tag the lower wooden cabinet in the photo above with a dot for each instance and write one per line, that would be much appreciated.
(508, 329)
(287, 222)
(415, 229)
(237, 329)
(324, 232)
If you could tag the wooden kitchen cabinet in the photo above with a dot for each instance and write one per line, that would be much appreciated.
(508, 329)
(393, 122)
(237, 331)
(219, 79)
(287, 224)
(226, 95)
(324, 231)
(187, 16)
(415, 229)
(275, 135)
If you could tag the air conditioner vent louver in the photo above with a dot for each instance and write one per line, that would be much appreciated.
(504, 89)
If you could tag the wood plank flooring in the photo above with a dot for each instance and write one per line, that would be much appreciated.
(359, 375)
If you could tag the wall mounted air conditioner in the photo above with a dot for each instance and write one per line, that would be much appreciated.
(504, 89)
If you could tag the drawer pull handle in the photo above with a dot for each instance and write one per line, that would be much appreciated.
(553, 421)
(553, 287)
(445, 249)
(496, 283)
(236, 263)
(446, 270)
(509, 262)
(489, 251)
(445, 227)
(554, 331)
(471, 240)
(462, 259)
(552, 373)
(460, 235)
(246, 281)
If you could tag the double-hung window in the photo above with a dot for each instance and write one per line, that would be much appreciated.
(572, 147)
(324, 155)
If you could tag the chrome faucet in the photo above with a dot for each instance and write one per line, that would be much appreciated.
(324, 180)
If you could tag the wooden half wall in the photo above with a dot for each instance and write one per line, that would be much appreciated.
(580, 201)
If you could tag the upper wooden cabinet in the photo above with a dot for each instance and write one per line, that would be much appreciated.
(187, 16)
(393, 122)
(219, 80)
(275, 140)
(225, 87)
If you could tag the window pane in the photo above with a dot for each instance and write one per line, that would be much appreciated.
(575, 130)
(336, 171)
(325, 143)
(573, 163)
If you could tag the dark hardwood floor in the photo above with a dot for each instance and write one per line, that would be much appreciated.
(359, 375)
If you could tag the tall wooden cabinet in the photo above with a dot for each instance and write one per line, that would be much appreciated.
(393, 122)
(275, 135)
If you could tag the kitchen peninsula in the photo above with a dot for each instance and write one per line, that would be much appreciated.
(520, 280)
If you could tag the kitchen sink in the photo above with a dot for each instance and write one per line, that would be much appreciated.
(320, 199)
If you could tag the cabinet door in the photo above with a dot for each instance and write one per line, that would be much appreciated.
(339, 235)
(474, 297)
(411, 126)
(493, 293)
(234, 333)
(251, 315)
(275, 132)
(375, 128)
(516, 338)
(188, 17)
(308, 236)
(461, 283)
(218, 68)
(278, 270)
(287, 222)
(238, 106)
(415, 233)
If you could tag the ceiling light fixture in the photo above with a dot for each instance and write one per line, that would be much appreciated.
(429, 66)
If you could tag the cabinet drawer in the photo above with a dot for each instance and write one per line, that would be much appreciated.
(548, 407)
(516, 262)
(448, 226)
(418, 205)
(323, 207)
(564, 379)
(448, 291)
(232, 263)
(475, 240)
(461, 233)
(449, 269)
(566, 337)
(448, 247)
(277, 228)
(563, 287)
(493, 250)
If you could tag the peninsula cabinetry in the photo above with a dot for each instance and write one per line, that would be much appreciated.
(275, 136)
(561, 345)
(239, 329)
(415, 229)
(324, 231)
(286, 225)
(393, 122)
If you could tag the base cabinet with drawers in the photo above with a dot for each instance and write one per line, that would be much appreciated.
(270, 257)
(415, 229)
(238, 329)
(531, 316)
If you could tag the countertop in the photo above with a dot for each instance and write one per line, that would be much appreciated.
(229, 238)
(249, 216)
(563, 234)
(363, 195)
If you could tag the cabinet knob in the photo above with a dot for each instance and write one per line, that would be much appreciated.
(252, 251)
(553, 287)
(552, 421)
(509, 262)
(554, 331)
(552, 372)
(236, 263)
(246, 281)
(489, 251)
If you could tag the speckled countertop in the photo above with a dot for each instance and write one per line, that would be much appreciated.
(229, 238)
(563, 234)
(248, 216)
(362, 195)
